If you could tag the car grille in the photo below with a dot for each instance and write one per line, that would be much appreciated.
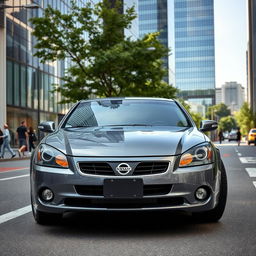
(124, 203)
(99, 168)
(146, 168)
(103, 168)
(148, 190)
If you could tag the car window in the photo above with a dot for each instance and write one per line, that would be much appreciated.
(127, 112)
(253, 131)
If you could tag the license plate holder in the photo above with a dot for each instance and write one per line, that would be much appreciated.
(123, 188)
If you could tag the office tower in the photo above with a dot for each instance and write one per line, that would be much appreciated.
(153, 17)
(251, 57)
(194, 50)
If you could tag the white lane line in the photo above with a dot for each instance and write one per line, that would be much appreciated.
(15, 170)
(239, 154)
(14, 214)
(15, 177)
(251, 172)
(254, 183)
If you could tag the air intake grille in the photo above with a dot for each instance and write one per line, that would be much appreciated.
(146, 168)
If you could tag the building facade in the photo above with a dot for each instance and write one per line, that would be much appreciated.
(194, 50)
(26, 84)
(251, 56)
(232, 94)
(153, 17)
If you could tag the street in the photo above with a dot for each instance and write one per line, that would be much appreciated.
(161, 233)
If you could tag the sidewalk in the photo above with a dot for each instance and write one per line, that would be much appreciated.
(7, 156)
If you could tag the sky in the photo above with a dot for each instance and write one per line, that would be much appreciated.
(230, 41)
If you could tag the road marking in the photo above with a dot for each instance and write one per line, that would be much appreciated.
(11, 169)
(226, 155)
(248, 160)
(239, 154)
(14, 214)
(251, 172)
(254, 183)
(15, 177)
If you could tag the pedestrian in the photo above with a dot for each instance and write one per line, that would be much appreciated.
(22, 135)
(238, 136)
(32, 138)
(1, 140)
(6, 142)
(220, 136)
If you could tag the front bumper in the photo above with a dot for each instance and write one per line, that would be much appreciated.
(183, 183)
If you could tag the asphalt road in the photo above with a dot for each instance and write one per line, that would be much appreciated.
(133, 233)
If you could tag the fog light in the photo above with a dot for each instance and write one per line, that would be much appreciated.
(201, 194)
(47, 195)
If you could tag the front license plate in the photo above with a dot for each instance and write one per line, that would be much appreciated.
(123, 188)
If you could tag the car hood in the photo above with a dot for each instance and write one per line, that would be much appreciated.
(125, 141)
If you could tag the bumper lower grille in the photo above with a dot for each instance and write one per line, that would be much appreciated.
(148, 190)
(104, 168)
(124, 203)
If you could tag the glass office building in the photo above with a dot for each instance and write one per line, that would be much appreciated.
(194, 50)
(28, 82)
(251, 64)
(153, 17)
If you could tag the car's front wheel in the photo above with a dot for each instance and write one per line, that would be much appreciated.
(216, 213)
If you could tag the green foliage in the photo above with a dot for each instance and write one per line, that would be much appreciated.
(197, 117)
(103, 62)
(245, 118)
(219, 110)
(227, 123)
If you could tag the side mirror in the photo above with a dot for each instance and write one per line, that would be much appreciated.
(47, 126)
(208, 125)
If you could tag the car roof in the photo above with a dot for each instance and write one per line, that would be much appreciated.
(128, 98)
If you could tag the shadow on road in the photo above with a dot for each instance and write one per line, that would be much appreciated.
(134, 224)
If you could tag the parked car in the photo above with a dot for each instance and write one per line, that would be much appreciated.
(127, 154)
(232, 135)
(251, 136)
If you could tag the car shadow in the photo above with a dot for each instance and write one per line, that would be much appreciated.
(130, 224)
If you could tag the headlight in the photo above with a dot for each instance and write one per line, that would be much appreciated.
(49, 156)
(199, 155)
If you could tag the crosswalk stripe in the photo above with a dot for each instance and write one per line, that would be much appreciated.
(251, 172)
(14, 214)
(254, 183)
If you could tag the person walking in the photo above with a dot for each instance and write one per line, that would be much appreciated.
(22, 135)
(238, 136)
(32, 138)
(220, 136)
(6, 142)
(1, 140)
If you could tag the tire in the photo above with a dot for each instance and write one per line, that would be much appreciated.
(45, 218)
(248, 143)
(216, 213)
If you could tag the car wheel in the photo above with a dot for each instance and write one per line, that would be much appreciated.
(216, 213)
(248, 143)
(44, 218)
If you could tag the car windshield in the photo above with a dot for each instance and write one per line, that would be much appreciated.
(127, 113)
(253, 131)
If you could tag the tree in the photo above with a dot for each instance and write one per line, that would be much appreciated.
(220, 110)
(245, 118)
(197, 117)
(227, 123)
(104, 62)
